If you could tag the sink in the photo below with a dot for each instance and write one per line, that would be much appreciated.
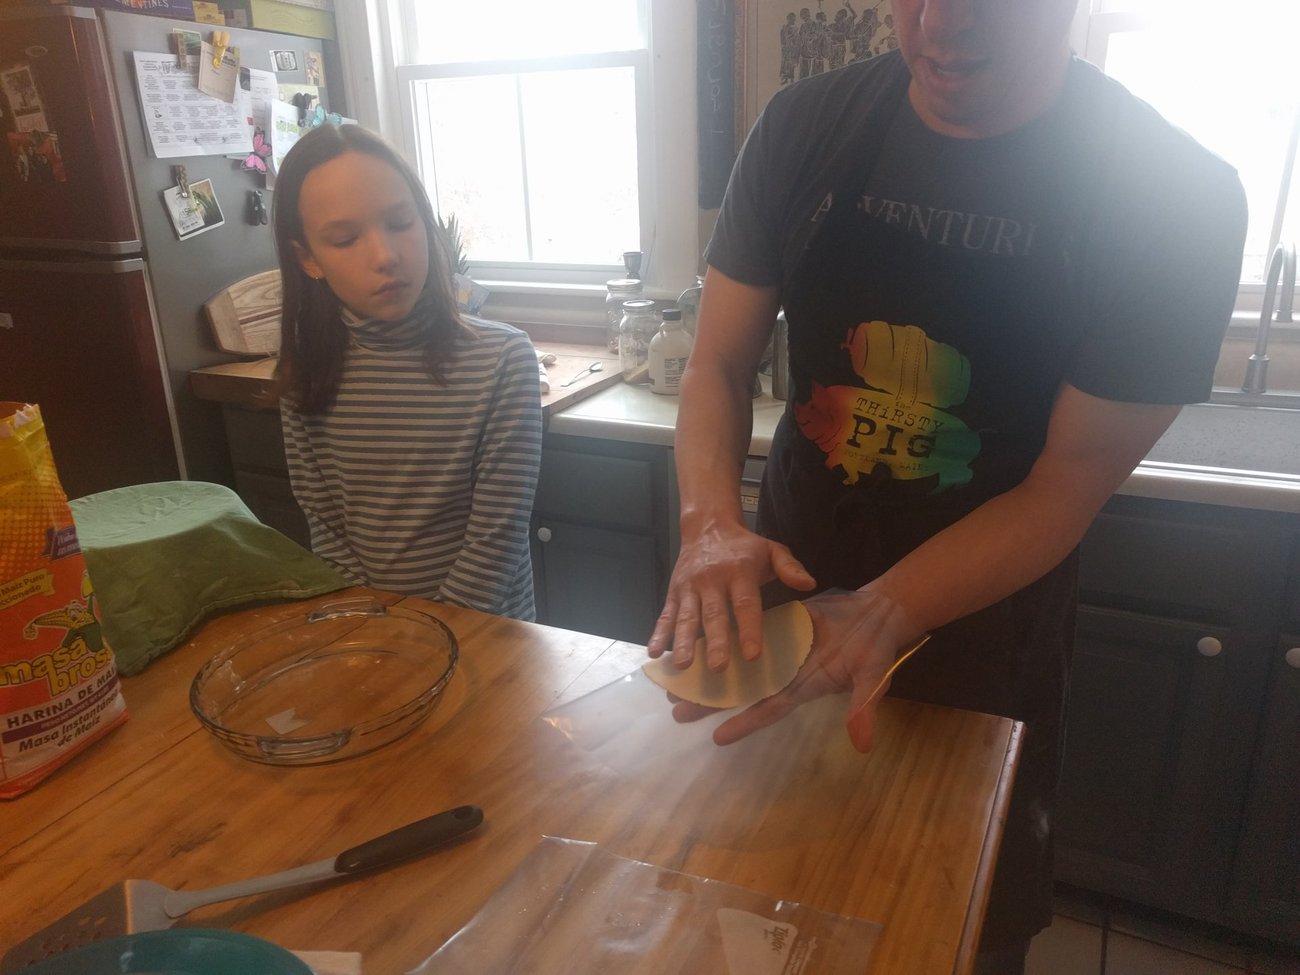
(1241, 437)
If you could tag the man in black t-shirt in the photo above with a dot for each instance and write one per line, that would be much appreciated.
(1003, 275)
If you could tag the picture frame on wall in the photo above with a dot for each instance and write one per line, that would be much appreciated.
(779, 42)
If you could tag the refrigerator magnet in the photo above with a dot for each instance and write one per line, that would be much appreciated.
(36, 156)
(257, 215)
(19, 87)
(193, 214)
(186, 44)
(315, 67)
(219, 70)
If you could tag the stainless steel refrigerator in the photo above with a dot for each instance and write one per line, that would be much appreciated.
(101, 305)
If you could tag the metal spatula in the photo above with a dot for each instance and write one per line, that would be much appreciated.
(142, 905)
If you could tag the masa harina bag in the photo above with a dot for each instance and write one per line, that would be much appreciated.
(59, 688)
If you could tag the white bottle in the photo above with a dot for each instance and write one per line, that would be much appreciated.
(669, 350)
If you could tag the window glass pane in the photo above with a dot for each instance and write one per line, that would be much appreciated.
(582, 165)
(1233, 90)
(469, 153)
(536, 167)
(452, 30)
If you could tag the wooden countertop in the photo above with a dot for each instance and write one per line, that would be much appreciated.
(245, 384)
(905, 836)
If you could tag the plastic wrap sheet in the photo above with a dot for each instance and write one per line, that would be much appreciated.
(571, 906)
(627, 716)
(627, 729)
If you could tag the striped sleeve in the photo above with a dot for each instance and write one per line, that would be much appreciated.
(493, 571)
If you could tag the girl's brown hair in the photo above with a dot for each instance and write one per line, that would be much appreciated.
(313, 336)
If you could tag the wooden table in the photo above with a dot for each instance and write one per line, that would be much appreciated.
(905, 836)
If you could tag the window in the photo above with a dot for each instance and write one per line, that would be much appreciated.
(539, 127)
(531, 179)
(1224, 73)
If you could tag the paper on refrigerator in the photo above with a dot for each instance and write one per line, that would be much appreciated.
(179, 119)
(283, 134)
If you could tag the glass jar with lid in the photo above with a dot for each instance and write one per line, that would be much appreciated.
(636, 328)
(616, 292)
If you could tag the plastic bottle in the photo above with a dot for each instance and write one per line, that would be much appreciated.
(669, 350)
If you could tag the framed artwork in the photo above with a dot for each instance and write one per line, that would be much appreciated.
(780, 41)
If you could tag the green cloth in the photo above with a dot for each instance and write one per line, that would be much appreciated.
(163, 557)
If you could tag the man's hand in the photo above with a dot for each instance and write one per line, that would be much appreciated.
(856, 638)
(717, 577)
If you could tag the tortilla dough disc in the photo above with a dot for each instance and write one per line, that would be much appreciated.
(787, 638)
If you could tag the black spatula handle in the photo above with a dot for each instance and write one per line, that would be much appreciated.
(408, 841)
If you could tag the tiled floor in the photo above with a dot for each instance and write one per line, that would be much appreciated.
(1093, 936)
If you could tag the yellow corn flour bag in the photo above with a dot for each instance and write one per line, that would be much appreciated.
(59, 688)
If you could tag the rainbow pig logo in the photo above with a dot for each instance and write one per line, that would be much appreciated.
(897, 419)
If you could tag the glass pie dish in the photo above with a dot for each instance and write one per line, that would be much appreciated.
(337, 682)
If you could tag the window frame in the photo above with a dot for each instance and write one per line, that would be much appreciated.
(372, 42)
(540, 272)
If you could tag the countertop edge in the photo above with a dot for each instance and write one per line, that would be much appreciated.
(614, 416)
(601, 406)
(246, 384)
(1233, 489)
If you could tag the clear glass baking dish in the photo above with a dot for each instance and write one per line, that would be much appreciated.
(337, 682)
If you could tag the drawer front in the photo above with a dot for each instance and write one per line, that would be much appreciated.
(1199, 571)
(617, 492)
(256, 440)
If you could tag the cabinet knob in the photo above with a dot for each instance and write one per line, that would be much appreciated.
(1293, 657)
(543, 534)
(1208, 646)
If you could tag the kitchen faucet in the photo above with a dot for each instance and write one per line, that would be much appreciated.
(1282, 264)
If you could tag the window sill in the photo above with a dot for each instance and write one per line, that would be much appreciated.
(562, 306)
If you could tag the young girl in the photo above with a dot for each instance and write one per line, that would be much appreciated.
(413, 434)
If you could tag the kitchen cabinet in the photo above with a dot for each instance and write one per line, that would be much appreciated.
(600, 536)
(1183, 727)
(262, 472)
(1266, 881)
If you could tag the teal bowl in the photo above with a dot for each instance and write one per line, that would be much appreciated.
(181, 951)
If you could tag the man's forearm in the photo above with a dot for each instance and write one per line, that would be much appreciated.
(998, 549)
(1014, 538)
(715, 417)
(714, 426)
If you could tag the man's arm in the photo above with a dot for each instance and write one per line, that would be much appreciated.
(1002, 546)
(1092, 447)
(722, 564)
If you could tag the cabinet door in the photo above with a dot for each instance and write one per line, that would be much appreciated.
(600, 536)
(1266, 878)
(596, 580)
(1157, 748)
